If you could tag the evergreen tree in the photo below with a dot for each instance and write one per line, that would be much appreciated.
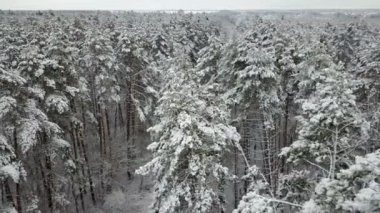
(331, 125)
(356, 189)
(191, 136)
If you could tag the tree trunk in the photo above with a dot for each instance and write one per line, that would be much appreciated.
(101, 142)
(83, 118)
(121, 118)
(89, 175)
(236, 173)
(221, 194)
(108, 135)
(245, 133)
(128, 128)
(8, 193)
(18, 188)
(115, 121)
(265, 150)
(77, 154)
(73, 193)
(43, 177)
(285, 132)
(49, 175)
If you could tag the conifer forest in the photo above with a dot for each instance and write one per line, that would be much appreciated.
(190, 112)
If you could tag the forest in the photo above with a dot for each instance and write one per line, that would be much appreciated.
(228, 111)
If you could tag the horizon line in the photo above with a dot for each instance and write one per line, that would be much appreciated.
(197, 10)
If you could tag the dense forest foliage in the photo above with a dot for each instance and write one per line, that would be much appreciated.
(190, 112)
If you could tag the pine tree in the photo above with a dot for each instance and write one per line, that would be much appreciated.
(98, 67)
(11, 167)
(331, 123)
(356, 189)
(248, 72)
(60, 81)
(190, 137)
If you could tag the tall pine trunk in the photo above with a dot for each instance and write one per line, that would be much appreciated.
(8, 193)
(285, 142)
(18, 187)
(79, 175)
(101, 145)
(89, 174)
(236, 173)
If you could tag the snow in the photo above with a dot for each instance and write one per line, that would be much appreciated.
(9, 210)
(254, 203)
(70, 164)
(184, 120)
(6, 105)
(355, 189)
(311, 207)
(59, 103)
(49, 82)
(27, 136)
(366, 200)
(12, 171)
(72, 90)
(39, 72)
(115, 201)
(37, 92)
(11, 77)
(59, 142)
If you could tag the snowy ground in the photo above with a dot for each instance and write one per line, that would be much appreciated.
(133, 198)
(139, 200)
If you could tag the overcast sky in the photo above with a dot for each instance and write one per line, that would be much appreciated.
(186, 4)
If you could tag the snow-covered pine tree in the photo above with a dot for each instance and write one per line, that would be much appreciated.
(367, 70)
(47, 64)
(260, 197)
(209, 58)
(287, 47)
(98, 68)
(11, 168)
(344, 44)
(133, 54)
(248, 68)
(355, 189)
(190, 138)
(251, 81)
(25, 120)
(331, 125)
(136, 79)
(257, 198)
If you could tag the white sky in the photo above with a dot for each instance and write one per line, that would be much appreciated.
(185, 4)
